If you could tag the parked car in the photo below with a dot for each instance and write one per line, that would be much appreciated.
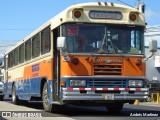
(1, 80)
(1, 88)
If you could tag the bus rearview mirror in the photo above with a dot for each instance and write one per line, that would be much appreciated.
(61, 43)
(153, 46)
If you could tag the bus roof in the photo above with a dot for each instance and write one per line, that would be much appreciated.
(61, 17)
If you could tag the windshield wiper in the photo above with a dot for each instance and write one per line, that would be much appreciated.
(113, 46)
(104, 43)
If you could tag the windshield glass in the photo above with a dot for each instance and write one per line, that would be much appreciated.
(102, 38)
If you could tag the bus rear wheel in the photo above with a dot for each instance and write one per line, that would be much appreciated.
(15, 99)
(1, 97)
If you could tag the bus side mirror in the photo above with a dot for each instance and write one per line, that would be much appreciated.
(61, 43)
(1, 63)
(153, 46)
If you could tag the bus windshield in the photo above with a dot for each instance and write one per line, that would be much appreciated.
(104, 38)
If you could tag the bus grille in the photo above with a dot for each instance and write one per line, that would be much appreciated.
(107, 70)
(108, 83)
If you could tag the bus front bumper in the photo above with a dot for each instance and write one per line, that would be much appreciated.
(104, 93)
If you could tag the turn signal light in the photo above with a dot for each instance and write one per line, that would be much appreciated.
(138, 62)
(63, 84)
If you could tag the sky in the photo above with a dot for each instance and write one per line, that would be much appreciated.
(19, 18)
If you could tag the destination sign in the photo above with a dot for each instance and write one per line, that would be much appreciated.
(112, 15)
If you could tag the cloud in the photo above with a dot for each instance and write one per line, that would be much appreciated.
(149, 14)
(6, 45)
(152, 33)
(147, 39)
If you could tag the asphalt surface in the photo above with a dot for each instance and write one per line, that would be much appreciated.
(144, 111)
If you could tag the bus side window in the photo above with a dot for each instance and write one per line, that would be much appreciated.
(45, 41)
(28, 50)
(21, 53)
(36, 46)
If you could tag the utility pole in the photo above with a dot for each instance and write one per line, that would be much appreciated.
(141, 7)
(139, 3)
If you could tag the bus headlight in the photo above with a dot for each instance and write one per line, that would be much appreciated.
(135, 83)
(77, 83)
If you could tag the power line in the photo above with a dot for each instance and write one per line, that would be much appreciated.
(152, 30)
(9, 40)
(156, 27)
(152, 35)
(16, 29)
(126, 3)
(6, 45)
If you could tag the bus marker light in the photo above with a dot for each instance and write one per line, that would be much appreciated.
(132, 17)
(77, 14)
(99, 3)
(105, 3)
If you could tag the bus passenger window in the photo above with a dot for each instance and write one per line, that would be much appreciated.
(16, 56)
(21, 53)
(36, 46)
(28, 50)
(45, 41)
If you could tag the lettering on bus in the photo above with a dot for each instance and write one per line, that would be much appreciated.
(112, 15)
(96, 60)
(36, 75)
(35, 68)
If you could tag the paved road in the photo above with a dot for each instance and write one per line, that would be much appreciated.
(130, 112)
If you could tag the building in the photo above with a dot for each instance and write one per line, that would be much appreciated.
(153, 71)
(153, 65)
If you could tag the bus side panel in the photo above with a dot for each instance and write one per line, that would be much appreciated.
(27, 88)
(35, 87)
(40, 69)
(22, 89)
(28, 79)
(34, 75)
(7, 89)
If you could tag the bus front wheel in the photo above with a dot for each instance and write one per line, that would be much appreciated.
(47, 107)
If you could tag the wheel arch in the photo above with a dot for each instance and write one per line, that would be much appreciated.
(12, 86)
(43, 80)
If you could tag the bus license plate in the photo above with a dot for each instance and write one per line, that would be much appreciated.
(108, 96)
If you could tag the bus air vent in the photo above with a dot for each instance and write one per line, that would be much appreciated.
(107, 70)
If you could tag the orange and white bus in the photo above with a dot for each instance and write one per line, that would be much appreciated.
(91, 53)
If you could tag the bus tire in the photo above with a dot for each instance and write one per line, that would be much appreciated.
(1, 97)
(15, 99)
(47, 107)
(24, 102)
(115, 107)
